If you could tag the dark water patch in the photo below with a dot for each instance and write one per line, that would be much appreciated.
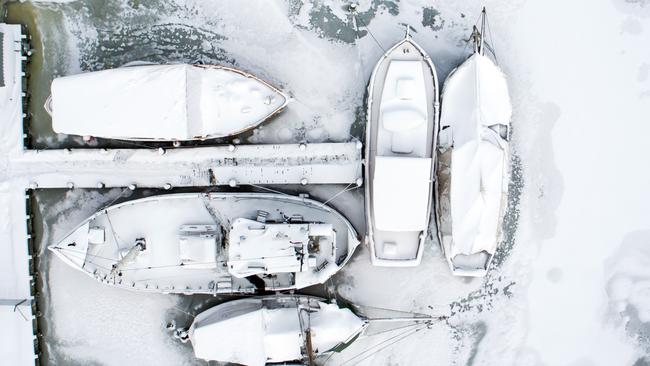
(324, 21)
(431, 18)
(39, 76)
(511, 217)
(358, 127)
(110, 34)
(643, 361)
(636, 329)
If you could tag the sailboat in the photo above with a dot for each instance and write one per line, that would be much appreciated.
(211, 243)
(473, 158)
(273, 329)
(400, 154)
(285, 329)
(148, 102)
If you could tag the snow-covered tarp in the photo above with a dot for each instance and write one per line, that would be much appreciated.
(401, 186)
(169, 102)
(476, 112)
(271, 329)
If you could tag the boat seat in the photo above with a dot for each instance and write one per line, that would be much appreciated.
(402, 119)
(405, 88)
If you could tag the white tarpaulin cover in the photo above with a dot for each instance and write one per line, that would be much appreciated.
(246, 332)
(255, 247)
(401, 187)
(180, 102)
(234, 334)
(475, 97)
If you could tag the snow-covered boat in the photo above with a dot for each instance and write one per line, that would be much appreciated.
(273, 330)
(161, 102)
(400, 155)
(211, 243)
(473, 162)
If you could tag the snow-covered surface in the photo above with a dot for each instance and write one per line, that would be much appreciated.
(11, 107)
(400, 135)
(401, 186)
(403, 109)
(177, 245)
(258, 248)
(200, 166)
(167, 102)
(17, 335)
(270, 329)
(473, 176)
(578, 213)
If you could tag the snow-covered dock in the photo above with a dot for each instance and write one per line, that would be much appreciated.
(325, 163)
(17, 336)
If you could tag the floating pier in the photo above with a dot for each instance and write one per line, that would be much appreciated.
(19, 343)
(325, 163)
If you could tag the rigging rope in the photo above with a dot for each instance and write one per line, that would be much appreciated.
(412, 325)
(491, 47)
(346, 189)
(383, 345)
(117, 244)
(393, 310)
(358, 17)
(270, 190)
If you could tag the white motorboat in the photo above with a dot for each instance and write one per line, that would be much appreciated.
(473, 162)
(211, 243)
(400, 154)
(273, 330)
(161, 102)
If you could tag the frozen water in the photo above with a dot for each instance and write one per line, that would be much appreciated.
(579, 186)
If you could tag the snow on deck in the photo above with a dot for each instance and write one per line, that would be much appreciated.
(17, 336)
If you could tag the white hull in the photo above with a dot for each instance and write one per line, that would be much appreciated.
(177, 243)
(273, 329)
(473, 163)
(400, 138)
(162, 103)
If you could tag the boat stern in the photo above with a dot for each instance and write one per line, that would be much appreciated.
(470, 265)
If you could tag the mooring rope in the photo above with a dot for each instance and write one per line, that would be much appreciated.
(358, 17)
(373, 350)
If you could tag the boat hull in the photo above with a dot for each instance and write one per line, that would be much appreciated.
(162, 103)
(389, 139)
(473, 165)
(273, 329)
(177, 243)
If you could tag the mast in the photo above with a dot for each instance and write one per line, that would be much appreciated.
(310, 348)
(306, 331)
(482, 33)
